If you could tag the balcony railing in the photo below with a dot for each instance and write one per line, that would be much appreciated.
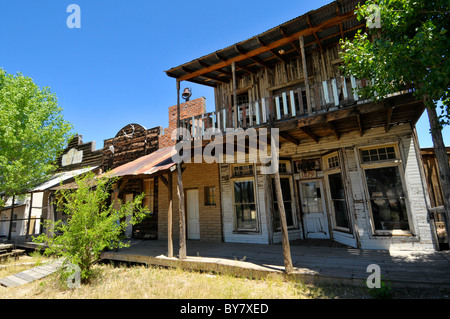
(325, 96)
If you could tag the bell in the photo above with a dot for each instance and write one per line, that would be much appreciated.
(186, 94)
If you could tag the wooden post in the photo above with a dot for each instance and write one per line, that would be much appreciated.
(29, 216)
(284, 232)
(12, 216)
(305, 75)
(180, 190)
(169, 218)
(233, 69)
(51, 216)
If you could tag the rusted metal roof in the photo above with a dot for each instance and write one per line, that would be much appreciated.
(328, 23)
(146, 165)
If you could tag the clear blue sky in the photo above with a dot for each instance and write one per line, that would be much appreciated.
(110, 72)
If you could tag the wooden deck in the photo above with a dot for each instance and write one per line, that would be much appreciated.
(312, 264)
(30, 275)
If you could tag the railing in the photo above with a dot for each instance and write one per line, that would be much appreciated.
(324, 97)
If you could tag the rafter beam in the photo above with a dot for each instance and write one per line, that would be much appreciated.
(253, 58)
(292, 44)
(290, 138)
(314, 34)
(273, 45)
(360, 124)
(388, 119)
(308, 132)
(333, 129)
(206, 65)
(273, 51)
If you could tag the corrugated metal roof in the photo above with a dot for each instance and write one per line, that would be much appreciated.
(291, 27)
(61, 177)
(148, 164)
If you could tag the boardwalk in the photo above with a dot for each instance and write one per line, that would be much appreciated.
(312, 264)
(30, 275)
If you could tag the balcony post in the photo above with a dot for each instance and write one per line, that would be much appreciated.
(305, 75)
(233, 70)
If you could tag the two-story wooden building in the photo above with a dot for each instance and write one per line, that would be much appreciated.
(350, 169)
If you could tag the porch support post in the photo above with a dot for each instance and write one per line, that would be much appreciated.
(169, 218)
(233, 69)
(279, 193)
(180, 190)
(29, 215)
(305, 75)
(12, 215)
(51, 216)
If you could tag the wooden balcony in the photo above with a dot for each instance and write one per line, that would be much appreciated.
(324, 97)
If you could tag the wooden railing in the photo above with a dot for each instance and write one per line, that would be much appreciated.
(324, 97)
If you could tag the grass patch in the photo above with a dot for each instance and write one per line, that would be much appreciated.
(134, 281)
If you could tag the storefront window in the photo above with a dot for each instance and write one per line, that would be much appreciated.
(245, 205)
(382, 170)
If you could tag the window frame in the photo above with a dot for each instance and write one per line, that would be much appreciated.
(207, 190)
(235, 179)
(287, 174)
(397, 162)
(331, 171)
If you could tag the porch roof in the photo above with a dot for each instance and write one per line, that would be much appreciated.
(58, 178)
(160, 160)
(320, 28)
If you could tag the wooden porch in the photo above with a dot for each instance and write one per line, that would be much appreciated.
(312, 264)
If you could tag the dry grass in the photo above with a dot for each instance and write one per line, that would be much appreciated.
(141, 282)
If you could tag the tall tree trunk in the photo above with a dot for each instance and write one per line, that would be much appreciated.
(442, 160)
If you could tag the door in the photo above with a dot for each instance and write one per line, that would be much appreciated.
(193, 222)
(313, 208)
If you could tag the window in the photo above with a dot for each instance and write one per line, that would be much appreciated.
(245, 205)
(336, 192)
(243, 170)
(386, 198)
(210, 196)
(286, 188)
(287, 200)
(378, 154)
(384, 184)
(14, 223)
(149, 195)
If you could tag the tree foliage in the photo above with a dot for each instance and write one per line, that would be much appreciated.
(32, 133)
(92, 223)
(410, 48)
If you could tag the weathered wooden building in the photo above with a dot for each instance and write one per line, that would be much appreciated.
(436, 195)
(139, 158)
(77, 158)
(350, 169)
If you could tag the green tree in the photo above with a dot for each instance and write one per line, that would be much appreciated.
(410, 47)
(32, 133)
(92, 223)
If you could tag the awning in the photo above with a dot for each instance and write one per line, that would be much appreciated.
(61, 177)
(146, 165)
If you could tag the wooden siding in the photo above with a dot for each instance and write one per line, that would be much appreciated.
(361, 234)
(130, 143)
(91, 157)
